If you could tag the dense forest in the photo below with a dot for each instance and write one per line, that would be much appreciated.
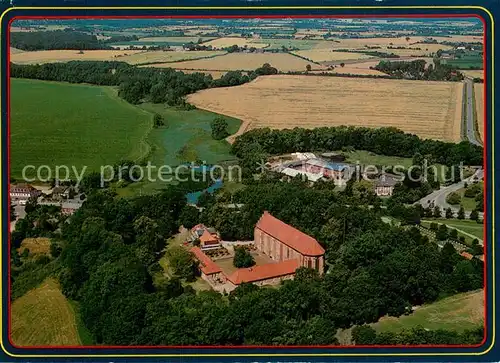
(417, 69)
(108, 255)
(135, 84)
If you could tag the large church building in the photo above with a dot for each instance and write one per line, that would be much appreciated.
(282, 242)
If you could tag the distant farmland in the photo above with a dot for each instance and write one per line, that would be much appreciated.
(53, 56)
(172, 56)
(246, 62)
(240, 42)
(76, 125)
(428, 109)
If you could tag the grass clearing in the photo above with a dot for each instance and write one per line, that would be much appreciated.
(465, 225)
(431, 110)
(40, 245)
(74, 125)
(246, 62)
(187, 136)
(370, 158)
(456, 313)
(43, 316)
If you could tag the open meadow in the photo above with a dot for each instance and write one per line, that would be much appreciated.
(43, 316)
(428, 109)
(73, 125)
(457, 313)
(54, 56)
(245, 62)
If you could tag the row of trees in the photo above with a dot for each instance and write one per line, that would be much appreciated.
(62, 39)
(136, 84)
(417, 70)
(257, 144)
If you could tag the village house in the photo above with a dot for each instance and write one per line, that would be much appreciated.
(384, 186)
(208, 237)
(209, 270)
(23, 192)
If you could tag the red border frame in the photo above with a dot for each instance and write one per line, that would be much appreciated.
(484, 137)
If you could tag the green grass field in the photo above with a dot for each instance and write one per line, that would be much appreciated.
(467, 226)
(75, 125)
(187, 137)
(458, 313)
(369, 158)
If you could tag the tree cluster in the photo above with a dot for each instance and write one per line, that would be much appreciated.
(58, 39)
(417, 70)
(256, 145)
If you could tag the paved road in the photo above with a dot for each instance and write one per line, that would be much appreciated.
(469, 92)
(438, 197)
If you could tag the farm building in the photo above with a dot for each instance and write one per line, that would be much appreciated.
(70, 207)
(268, 274)
(23, 192)
(288, 247)
(282, 242)
(209, 238)
(209, 270)
(385, 184)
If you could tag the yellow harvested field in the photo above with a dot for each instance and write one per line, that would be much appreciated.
(43, 316)
(326, 55)
(220, 43)
(348, 69)
(167, 57)
(413, 51)
(35, 245)
(246, 62)
(431, 110)
(474, 73)
(53, 56)
(15, 50)
(168, 39)
(479, 101)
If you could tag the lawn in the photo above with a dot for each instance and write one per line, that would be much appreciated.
(75, 125)
(43, 316)
(187, 137)
(368, 158)
(469, 204)
(456, 313)
(467, 226)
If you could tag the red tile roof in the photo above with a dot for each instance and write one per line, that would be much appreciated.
(209, 238)
(467, 255)
(207, 266)
(264, 272)
(290, 236)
